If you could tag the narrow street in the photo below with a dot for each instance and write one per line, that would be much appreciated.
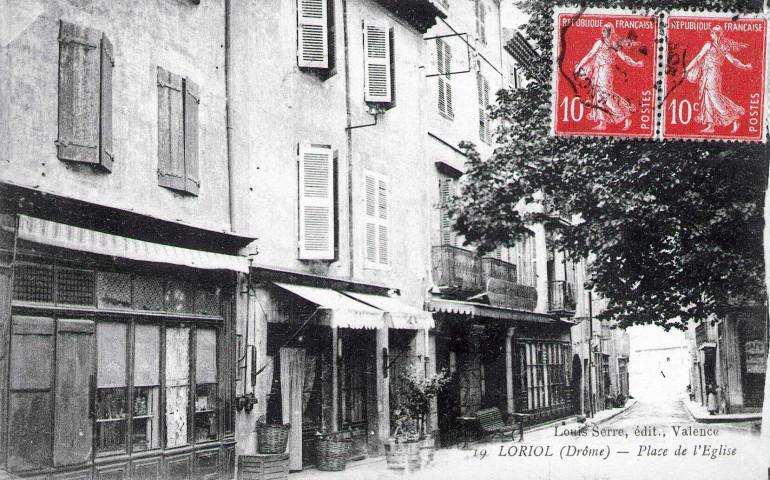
(649, 440)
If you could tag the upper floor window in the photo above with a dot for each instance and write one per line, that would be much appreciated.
(377, 218)
(379, 66)
(178, 100)
(483, 94)
(85, 96)
(444, 63)
(316, 36)
(481, 21)
(447, 189)
(317, 203)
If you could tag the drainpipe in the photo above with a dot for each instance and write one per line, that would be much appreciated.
(590, 353)
(228, 114)
(348, 137)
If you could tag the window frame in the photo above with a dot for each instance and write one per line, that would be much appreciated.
(377, 221)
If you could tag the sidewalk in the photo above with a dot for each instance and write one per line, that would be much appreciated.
(376, 468)
(699, 413)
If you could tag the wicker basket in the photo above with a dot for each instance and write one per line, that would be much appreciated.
(272, 439)
(332, 453)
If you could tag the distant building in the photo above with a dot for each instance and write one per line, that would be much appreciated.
(660, 370)
(731, 353)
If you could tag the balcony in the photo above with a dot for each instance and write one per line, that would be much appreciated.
(561, 298)
(463, 269)
(704, 333)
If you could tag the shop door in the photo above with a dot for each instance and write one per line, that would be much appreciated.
(30, 427)
(292, 387)
(73, 435)
(312, 405)
(357, 349)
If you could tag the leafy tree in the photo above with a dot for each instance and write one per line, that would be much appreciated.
(674, 228)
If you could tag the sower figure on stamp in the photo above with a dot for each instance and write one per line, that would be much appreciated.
(597, 67)
(706, 69)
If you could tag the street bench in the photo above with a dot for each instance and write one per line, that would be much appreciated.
(491, 423)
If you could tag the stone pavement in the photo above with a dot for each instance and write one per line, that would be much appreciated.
(376, 468)
(701, 414)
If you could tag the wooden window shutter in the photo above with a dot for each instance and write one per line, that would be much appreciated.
(377, 228)
(316, 203)
(79, 93)
(191, 101)
(383, 213)
(483, 92)
(392, 42)
(171, 169)
(444, 64)
(377, 87)
(481, 21)
(371, 219)
(106, 155)
(312, 34)
(447, 191)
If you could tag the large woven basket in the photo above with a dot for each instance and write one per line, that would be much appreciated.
(332, 453)
(272, 439)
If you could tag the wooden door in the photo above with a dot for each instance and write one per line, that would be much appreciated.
(73, 427)
(292, 386)
(30, 429)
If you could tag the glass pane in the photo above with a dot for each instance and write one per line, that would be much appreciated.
(111, 366)
(177, 356)
(111, 419)
(205, 412)
(176, 416)
(206, 356)
(177, 385)
(146, 355)
(146, 432)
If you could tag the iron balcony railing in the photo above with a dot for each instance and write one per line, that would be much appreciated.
(463, 269)
(561, 297)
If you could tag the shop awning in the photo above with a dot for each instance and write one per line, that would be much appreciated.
(397, 313)
(60, 235)
(475, 309)
(340, 310)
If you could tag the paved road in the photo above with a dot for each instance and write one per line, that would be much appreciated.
(641, 443)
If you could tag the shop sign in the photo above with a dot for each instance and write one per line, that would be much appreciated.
(756, 357)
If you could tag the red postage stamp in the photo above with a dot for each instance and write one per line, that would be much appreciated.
(715, 77)
(605, 71)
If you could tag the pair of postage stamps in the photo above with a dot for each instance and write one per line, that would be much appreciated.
(678, 75)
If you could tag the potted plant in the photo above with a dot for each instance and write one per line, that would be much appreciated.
(411, 445)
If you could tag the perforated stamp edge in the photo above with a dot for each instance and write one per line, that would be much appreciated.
(663, 32)
(657, 84)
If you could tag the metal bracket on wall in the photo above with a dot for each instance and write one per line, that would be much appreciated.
(366, 124)
(467, 46)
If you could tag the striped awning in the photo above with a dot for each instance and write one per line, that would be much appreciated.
(474, 309)
(60, 235)
(397, 313)
(339, 310)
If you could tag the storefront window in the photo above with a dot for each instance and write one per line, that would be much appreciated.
(111, 387)
(177, 385)
(146, 431)
(206, 385)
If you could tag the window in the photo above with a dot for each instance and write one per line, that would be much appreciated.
(111, 387)
(177, 385)
(316, 37)
(483, 93)
(317, 203)
(178, 100)
(444, 64)
(379, 73)
(447, 190)
(481, 21)
(377, 218)
(206, 385)
(146, 418)
(85, 96)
